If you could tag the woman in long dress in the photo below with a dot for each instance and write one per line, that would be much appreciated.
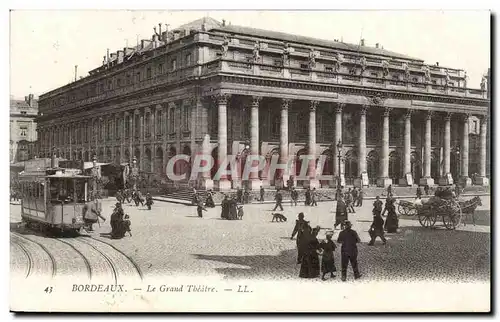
(328, 260)
(392, 221)
(309, 267)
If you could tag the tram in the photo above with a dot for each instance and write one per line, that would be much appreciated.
(55, 199)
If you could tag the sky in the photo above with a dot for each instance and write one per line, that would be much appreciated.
(45, 46)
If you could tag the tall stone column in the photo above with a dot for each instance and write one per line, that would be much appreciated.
(362, 180)
(254, 183)
(282, 176)
(482, 179)
(312, 181)
(447, 178)
(222, 99)
(427, 179)
(465, 180)
(384, 180)
(407, 179)
(337, 172)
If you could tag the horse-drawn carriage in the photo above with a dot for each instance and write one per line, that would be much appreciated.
(448, 209)
(451, 210)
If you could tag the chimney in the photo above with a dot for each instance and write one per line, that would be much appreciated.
(104, 60)
(362, 42)
(223, 22)
(127, 51)
(30, 100)
(145, 43)
(113, 56)
(376, 45)
(437, 63)
(120, 55)
(159, 29)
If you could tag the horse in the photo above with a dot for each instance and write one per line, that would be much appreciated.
(469, 207)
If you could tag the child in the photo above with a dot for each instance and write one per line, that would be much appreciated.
(200, 209)
(126, 225)
(240, 212)
(327, 261)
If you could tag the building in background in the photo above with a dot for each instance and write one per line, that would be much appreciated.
(217, 89)
(23, 133)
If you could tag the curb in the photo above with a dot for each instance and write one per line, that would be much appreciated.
(285, 202)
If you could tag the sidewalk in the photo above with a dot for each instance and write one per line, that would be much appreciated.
(287, 201)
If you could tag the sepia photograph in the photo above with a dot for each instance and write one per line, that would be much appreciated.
(250, 161)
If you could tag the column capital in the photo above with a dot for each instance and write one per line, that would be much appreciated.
(221, 98)
(256, 101)
(364, 109)
(466, 116)
(387, 111)
(340, 106)
(447, 116)
(428, 115)
(171, 105)
(313, 105)
(285, 103)
(408, 114)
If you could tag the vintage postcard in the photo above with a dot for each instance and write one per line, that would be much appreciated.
(250, 161)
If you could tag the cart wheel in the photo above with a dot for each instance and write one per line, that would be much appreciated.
(427, 221)
(401, 210)
(453, 220)
(412, 211)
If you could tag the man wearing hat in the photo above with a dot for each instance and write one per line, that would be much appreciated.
(349, 251)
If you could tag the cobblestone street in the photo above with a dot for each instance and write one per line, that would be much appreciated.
(170, 239)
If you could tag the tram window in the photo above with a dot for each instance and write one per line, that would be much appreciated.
(80, 190)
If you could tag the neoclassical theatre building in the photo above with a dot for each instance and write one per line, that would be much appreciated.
(221, 89)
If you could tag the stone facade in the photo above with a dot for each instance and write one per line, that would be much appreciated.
(23, 132)
(229, 90)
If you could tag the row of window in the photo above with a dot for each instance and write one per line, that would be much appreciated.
(129, 78)
(101, 130)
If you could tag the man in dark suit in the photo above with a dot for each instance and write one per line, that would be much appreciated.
(349, 251)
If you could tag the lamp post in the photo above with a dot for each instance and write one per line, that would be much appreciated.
(95, 174)
(339, 157)
(457, 152)
(135, 172)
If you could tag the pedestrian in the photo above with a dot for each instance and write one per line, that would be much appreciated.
(308, 197)
(313, 198)
(419, 192)
(149, 201)
(376, 228)
(233, 209)
(309, 267)
(392, 221)
(349, 251)
(377, 206)
(327, 259)
(119, 196)
(200, 209)
(361, 195)
(262, 192)
(301, 225)
(389, 190)
(209, 201)
(294, 196)
(355, 197)
(426, 189)
(239, 195)
(349, 201)
(225, 208)
(341, 212)
(279, 200)
(246, 196)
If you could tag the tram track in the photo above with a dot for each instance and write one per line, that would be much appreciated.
(29, 259)
(38, 264)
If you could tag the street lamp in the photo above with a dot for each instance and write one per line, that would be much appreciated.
(339, 156)
(457, 152)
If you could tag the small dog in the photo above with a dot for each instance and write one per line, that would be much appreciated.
(278, 217)
(240, 212)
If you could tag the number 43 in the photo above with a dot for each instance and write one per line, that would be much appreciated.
(48, 289)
